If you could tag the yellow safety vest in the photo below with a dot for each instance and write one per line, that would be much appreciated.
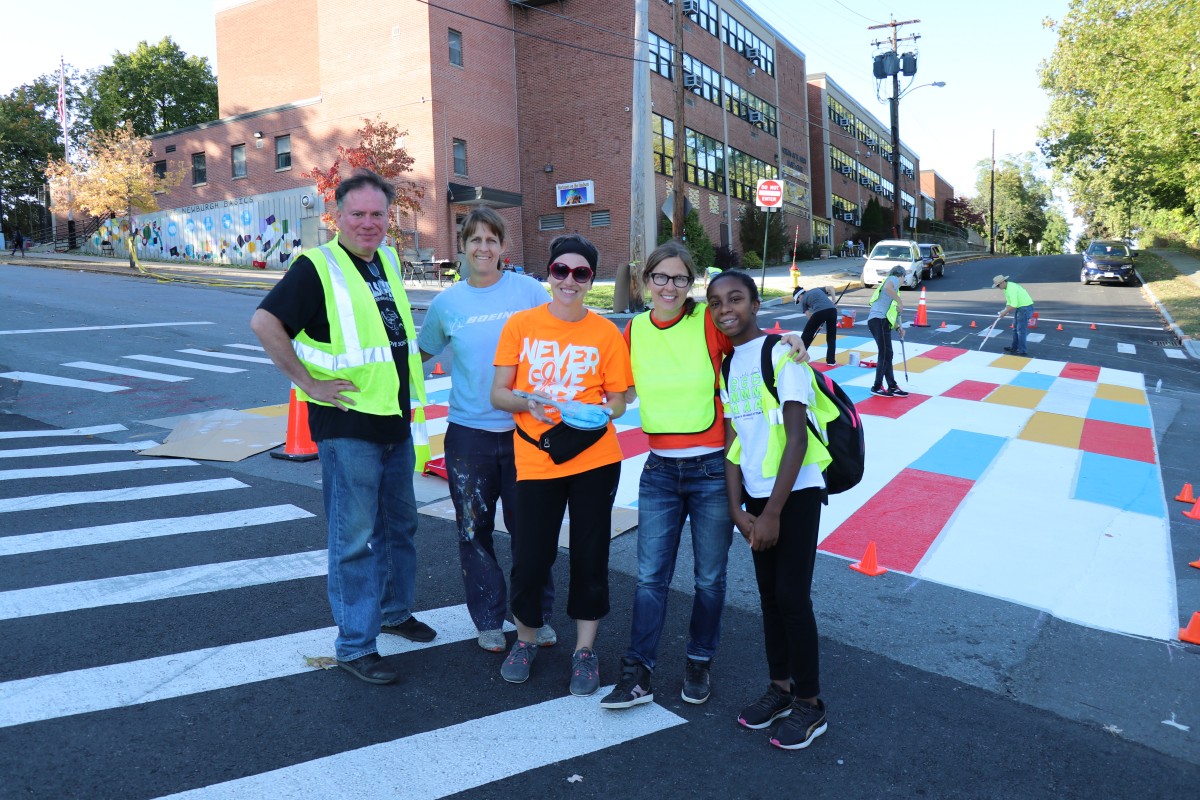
(893, 309)
(359, 349)
(673, 373)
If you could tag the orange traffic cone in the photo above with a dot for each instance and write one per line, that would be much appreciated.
(1093, 326)
(943, 324)
(775, 329)
(1192, 632)
(299, 445)
(437, 369)
(1059, 328)
(1194, 513)
(1195, 563)
(869, 565)
(972, 323)
(922, 320)
(1185, 495)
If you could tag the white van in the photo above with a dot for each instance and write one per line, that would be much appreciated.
(887, 254)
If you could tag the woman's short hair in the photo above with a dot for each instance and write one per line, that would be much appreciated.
(672, 249)
(482, 215)
(897, 272)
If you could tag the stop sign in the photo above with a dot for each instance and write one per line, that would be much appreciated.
(769, 193)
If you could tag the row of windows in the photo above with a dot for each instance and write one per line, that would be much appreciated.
(740, 102)
(735, 34)
(237, 161)
(707, 163)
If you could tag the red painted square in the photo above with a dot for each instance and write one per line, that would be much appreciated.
(890, 407)
(821, 366)
(436, 412)
(903, 519)
(633, 442)
(1114, 439)
(1080, 372)
(971, 390)
(944, 353)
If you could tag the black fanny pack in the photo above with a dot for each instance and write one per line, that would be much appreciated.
(562, 442)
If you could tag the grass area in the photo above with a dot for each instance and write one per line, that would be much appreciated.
(1179, 295)
(601, 296)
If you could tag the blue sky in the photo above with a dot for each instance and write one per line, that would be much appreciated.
(987, 53)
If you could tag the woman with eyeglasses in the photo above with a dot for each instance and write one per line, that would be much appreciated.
(562, 352)
(676, 351)
(479, 438)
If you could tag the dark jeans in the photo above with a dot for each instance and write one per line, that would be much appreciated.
(540, 506)
(1021, 317)
(784, 573)
(881, 329)
(481, 471)
(828, 318)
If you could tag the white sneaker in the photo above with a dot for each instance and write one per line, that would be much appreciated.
(546, 637)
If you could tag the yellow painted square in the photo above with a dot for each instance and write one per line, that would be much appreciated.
(919, 364)
(1056, 429)
(1019, 396)
(1011, 362)
(280, 410)
(1123, 394)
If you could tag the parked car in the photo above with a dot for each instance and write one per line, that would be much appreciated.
(935, 261)
(1108, 260)
(887, 254)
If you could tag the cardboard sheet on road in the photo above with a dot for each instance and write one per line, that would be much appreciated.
(224, 435)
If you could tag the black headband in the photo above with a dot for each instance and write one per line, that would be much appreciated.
(577, 245)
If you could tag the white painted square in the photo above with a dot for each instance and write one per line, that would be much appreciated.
(1078, 342)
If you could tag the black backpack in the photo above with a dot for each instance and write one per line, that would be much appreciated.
(843, 434)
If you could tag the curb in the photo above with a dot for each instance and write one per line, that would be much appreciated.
(1190, 344)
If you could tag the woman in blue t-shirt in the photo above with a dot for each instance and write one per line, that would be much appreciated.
(479, 439)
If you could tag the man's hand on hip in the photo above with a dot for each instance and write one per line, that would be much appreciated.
(332, 392)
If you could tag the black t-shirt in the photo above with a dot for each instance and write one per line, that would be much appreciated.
(298, 301)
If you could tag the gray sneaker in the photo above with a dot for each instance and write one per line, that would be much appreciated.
(493, 641)
(546, 637)
(515, 668)
(585, 672)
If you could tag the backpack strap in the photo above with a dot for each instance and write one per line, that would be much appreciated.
(768, 367)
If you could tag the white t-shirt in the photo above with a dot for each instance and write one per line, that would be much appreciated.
(743, 406)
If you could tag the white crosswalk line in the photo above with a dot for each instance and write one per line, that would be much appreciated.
(789, 316)
(106, 327)
(55, 500)
(947, 329)
(212, 668)
(247, 347)
(92, 431)
(1122, 347)
(93, 469)
(1174, 353)
(148, 528)
(191, 351)
(178, 362)
(130, 371)
(69, 383)
(1036, 337)
(69, 449)
(148, 586)
(1078, 342)
(445, 761)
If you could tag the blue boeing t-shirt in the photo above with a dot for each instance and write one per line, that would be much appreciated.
(471, 320)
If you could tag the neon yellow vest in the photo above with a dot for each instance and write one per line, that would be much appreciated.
(893, 309)
(673, 373)
(359, 349)
(816, 453)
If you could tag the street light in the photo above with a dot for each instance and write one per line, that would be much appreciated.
(895, 108)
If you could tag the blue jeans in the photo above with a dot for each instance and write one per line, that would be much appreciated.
(372, 515)
(671, 490)
(480, 468)
(1021, 317)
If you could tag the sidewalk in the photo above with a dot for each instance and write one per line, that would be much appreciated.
(1188, 266)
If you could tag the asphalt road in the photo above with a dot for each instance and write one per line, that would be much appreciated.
(136, 666)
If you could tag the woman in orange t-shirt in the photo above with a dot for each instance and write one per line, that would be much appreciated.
(562, 351)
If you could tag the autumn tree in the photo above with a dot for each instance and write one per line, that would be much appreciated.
(958, 211)
(157, 88)
(380, 151)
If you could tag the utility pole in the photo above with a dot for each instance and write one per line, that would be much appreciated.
(895, 106)
(680, 137)
(992, 200)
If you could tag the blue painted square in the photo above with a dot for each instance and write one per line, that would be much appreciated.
(961, 454)
(852, 342)
(1031, 380)
(630, 417)
(1120, 483)
(1121, 413)
(857, 394)
(440, 396)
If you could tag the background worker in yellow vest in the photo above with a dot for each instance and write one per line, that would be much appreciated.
(339, 326)
(1018, 301)
(883, 316)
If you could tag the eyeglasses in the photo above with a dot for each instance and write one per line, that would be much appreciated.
(580, 274)
(661, 278)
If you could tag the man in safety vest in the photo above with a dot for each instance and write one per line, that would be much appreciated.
(340, 327)
(1018, 301)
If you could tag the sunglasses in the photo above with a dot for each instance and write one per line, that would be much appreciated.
(661, 278)
(580, 274)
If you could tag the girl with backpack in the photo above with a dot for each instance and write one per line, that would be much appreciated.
(775, 488)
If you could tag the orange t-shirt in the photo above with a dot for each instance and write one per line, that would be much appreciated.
(584, 361)
(719, 346)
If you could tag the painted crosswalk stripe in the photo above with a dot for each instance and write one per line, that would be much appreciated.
(209, 669)
(178, 362)
(46, 434)
(1078, 342)
(947, 329)
(149, 528)
(1122, 347)
(59, 499)
(191, 351)
(106, 327)
(70, 383)
(149, 586)
(130, 371)
(1173, 353)
(93, 469)
(1036, 337)
(69, 449)
(247, 347)
(448, 760)
(789, 316)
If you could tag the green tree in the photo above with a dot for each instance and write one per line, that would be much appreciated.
(29, 138)
(875, 223)
(1057, 234)
(1022, 200)
(750, 234)
(697, 241)
(156, 88)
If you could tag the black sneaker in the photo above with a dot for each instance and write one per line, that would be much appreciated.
(632, 689)
(879, 391)
(1008, 349)
(370, 668)
(804, 724)
(771, 706)
(697, 685)
(896, 391)
(412, 629)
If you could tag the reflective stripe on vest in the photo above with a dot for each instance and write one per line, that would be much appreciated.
(893, 309)
(673, 373)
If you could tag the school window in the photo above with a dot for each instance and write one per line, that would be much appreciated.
(661, 55)
(460, 157)
(237, 160)
(745, 171)
(706, 81)
(705, 161)
(456, 54)
(160, 169)
(199, 169)
(663, 135)
(283, 152)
